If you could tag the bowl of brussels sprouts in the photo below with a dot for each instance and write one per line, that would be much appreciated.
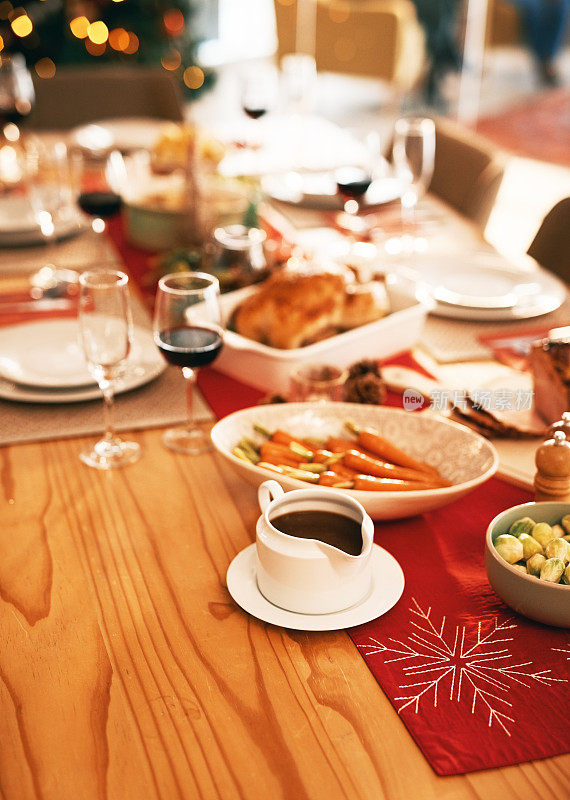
(527, 559)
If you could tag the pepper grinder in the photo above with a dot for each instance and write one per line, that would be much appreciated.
(563, 424)
(552, 478)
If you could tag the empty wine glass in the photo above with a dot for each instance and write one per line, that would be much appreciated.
(50, 186)
(413, 156)
(106, 333)
(188, 333)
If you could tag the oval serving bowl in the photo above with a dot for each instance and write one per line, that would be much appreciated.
(463, 457)
(544, 602)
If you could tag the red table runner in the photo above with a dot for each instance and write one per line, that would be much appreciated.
(477, 685)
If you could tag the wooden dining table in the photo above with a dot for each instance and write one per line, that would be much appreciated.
(127, 671)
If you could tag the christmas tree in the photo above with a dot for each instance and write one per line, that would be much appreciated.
(51, 33)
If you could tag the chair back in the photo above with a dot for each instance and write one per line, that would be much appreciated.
(77, 96)
(551, 245)
(468, 171)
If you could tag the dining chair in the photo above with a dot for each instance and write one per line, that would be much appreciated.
(468, 171)
(551, 244)
(77, 96)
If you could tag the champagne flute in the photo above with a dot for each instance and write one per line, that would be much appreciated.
(188, 333)
(106, 333)
(413, 156)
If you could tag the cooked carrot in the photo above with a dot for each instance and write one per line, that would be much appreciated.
(279, 454)
(371, 440)
(320, 456)
(282, 437)
(339, 468)
(332, 479)
(339, 445)
(369, 483)
(382, 469)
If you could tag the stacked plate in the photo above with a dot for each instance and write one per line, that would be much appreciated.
(42, 362)
(486, 286)
(19, 227)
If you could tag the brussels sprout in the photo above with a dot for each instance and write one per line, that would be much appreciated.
(558, 548)
(542, 532)
(558, 531)
(530, 545)
(534, 565)
(522, 525)
(521, 566)
(565, 522)
(509, 547)
(566, 538)
(566, 576)
(552, 570)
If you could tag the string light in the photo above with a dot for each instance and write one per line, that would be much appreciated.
(21, 25)
(193, 77)
(79, 27)
(133, 44)
(98, 32)
(174, 21)
(45, 68)
(119, 39)
(171, 60)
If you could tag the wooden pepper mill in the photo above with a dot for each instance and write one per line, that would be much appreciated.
(552, 478)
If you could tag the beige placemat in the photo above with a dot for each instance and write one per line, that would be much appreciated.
(161, 402)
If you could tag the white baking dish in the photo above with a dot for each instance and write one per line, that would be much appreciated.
(269, 368)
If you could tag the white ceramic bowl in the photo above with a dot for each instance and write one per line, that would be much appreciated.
(463, 457)
(539, 600)
(270, 368)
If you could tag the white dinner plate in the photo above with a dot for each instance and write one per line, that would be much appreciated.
(386, 590)
(19, 228)
(486, 286)
(125, 134)
(143, 365)
(319, 191)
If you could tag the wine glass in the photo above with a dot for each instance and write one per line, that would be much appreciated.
(49, 185)
(99, 183)
(413, 155)
(353, 181)
(188, 333)
(106, 333)
(16, 92)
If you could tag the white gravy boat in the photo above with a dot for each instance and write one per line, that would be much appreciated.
(309, 576)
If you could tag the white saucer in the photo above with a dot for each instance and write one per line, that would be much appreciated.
(387, 588)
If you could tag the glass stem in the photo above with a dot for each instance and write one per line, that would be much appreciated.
(108, 409)
(190, 377)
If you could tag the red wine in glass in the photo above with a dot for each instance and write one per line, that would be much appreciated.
(192, 346)
(100, 204)
(254, 113)
(352, 182)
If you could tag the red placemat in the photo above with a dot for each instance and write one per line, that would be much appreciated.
(477, 685)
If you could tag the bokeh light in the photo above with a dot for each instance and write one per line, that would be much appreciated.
(1, 44)
(174, 21)
(98, 32)
(79, 27)
(22, 25)
(119, 39)
(339, 14)
(344, 50)
(171, 60)
(95, 49)
(193, 77)
(45, 68)
(133, 44)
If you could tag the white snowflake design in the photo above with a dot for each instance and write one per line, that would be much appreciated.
(459, 664)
